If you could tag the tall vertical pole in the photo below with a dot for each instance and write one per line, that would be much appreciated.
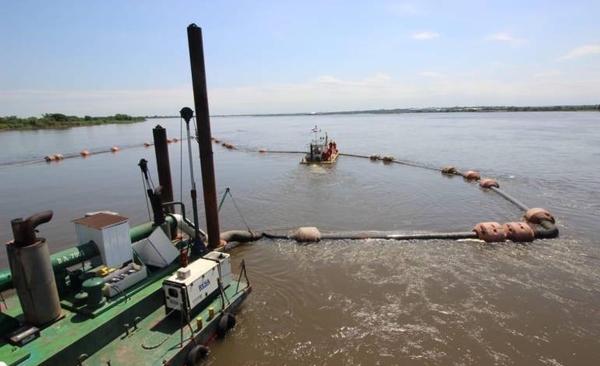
(198, 248)
(161, 150)
(204, 137)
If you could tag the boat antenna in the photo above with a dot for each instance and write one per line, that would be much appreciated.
(187, 114)
(196, 49)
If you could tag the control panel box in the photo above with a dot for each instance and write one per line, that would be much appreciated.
(186, 288)
(123, 278)
(224, 261)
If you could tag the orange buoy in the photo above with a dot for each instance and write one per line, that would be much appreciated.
(519, 232)
(114, 149)
(58, 156)
(488, 183)
(449, 170)
(262, 150)
(490, 232)
(307, 235)
(472, 175)
(147, 144)
(84, 153)
(535, 215)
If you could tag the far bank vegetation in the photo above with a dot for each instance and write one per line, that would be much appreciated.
(59, 120)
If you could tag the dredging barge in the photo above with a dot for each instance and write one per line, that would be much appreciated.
(153, 294)
(151, 309)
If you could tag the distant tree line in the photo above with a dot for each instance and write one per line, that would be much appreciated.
(564, 108)
(59, 120)
(555, 108)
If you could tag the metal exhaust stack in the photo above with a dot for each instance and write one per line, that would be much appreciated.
(204, 137)
(31, 268)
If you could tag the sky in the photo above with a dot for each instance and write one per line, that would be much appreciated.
(104, 57)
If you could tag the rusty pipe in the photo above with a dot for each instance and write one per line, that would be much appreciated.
(24, 230)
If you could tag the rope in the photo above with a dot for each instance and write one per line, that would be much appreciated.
(236, 206)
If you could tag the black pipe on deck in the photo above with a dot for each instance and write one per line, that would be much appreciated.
(204, 137)
(161, 150)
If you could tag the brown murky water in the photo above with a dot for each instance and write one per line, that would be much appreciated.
(374, 302)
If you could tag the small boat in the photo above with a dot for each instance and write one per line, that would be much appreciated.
(321, 150)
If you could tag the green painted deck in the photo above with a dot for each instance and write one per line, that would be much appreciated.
(130, 329)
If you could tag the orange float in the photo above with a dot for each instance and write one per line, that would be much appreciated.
(449, 170)
(488, 183)
(490, 232)
(472, 175)
(519, 232)
(535, 215)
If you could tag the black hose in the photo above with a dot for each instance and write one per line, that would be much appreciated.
(398, 236)
(510, 198)
(275, 236)
(240, 236)
(545, 229)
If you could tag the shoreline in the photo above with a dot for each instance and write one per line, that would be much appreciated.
(26, 125)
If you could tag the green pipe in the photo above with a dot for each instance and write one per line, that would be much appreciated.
(71, 256)
(60, 261)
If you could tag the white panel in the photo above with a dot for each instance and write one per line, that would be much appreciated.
(116, 245)
(156, 250)
(201, 283)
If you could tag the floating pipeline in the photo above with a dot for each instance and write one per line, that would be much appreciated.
(538, 227)
(538, 224)
(55, 158)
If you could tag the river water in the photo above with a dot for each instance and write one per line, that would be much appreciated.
(376, 302)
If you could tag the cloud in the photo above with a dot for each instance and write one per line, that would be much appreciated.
(505, 37)
(378, 79)
(325, 79)
(548, 74)
(324, 93)
(423, 36)
(582, 51)
(431, 74)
